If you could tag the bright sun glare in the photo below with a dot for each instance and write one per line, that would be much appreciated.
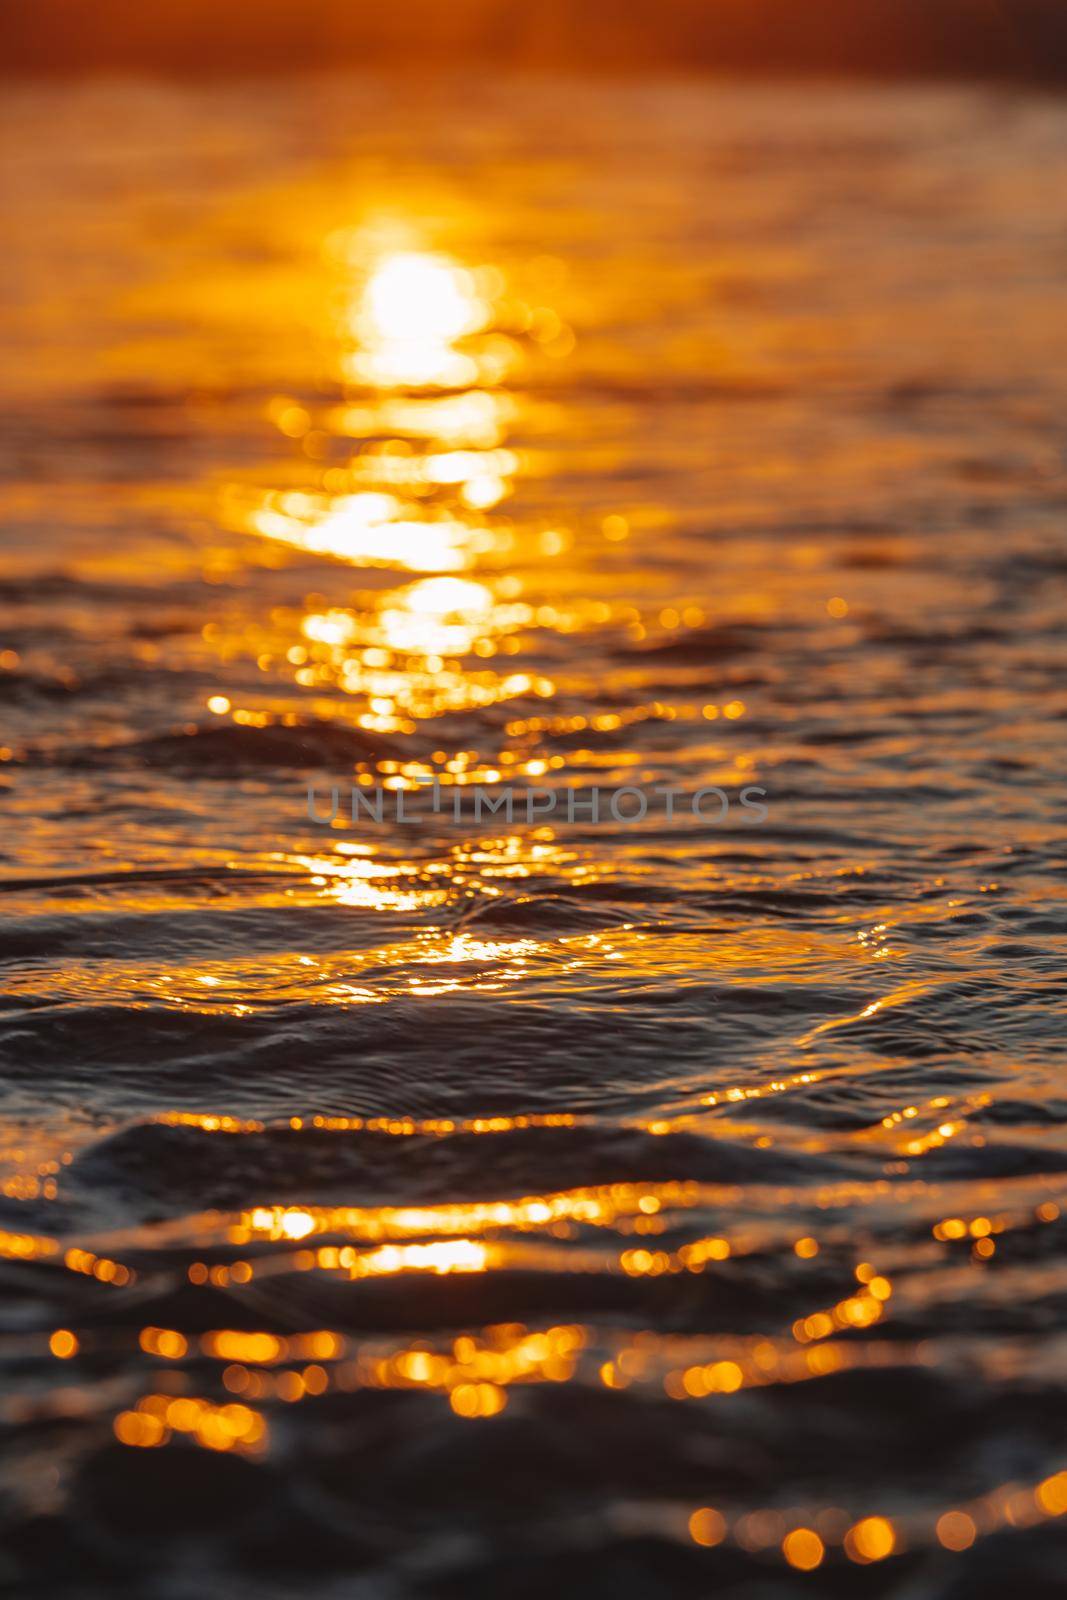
(413, 309)
(404, 329)
(414, 298)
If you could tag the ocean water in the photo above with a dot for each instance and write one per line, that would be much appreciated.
(469, 1207)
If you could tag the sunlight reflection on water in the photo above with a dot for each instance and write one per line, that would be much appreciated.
(644, 436)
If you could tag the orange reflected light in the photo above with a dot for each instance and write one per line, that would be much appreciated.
(803, 1549)
(438, 616)
(414, 308)
(365, 529)
(414, 297)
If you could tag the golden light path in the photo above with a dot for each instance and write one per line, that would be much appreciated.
(409, 328)
(419, 466)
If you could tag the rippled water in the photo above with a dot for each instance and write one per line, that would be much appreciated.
(466, 1210)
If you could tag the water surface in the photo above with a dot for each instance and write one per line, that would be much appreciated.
(663, 1208)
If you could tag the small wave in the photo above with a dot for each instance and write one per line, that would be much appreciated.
(211, 750)
(156, 1169)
